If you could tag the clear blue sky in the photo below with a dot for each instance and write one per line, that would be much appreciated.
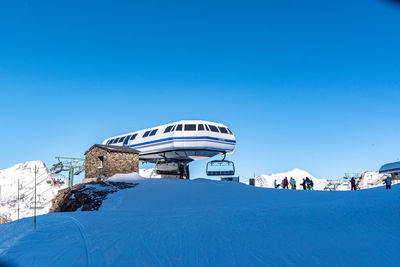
(309, 84)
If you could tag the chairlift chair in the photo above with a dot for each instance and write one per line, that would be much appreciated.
(220, 168)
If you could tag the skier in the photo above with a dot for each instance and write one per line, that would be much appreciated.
(283, 184)
(304, 184)
(292, 183)
(286, 183)
(388, 182)
(311, 184)
(353, 183)
(276, 185)
(308, 183)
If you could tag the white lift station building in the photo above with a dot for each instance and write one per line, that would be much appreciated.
(173, 146)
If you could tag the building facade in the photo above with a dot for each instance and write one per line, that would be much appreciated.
(104, 161)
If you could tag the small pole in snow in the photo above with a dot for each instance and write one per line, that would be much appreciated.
(18, 201)
(34, 219)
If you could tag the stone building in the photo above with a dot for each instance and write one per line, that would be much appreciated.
(103, 161)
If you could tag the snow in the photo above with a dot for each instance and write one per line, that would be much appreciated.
(125, 178)
(367, 180)
(371, 179)
(170, 222)
(297, 174)
(149, 173)
(25, 172)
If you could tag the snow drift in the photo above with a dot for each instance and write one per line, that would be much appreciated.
(168, 222)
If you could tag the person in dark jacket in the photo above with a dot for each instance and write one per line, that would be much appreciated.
(286, 183)
(308, 183)
(304, 184)
(388, 182)
(181, 170)
(353, 183)
(311, 185)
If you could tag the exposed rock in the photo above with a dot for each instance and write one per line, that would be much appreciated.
(87, 197)
(4, 219)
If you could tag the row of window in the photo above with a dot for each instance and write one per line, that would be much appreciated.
(172, 128)
(198, 127)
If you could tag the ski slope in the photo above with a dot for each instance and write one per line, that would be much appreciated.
(167, 222)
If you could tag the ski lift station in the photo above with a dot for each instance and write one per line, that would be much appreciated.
(391, 168)
(171, 147)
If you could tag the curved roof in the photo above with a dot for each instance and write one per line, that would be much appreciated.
(390, 167)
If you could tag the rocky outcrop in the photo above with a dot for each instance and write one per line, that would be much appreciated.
(4, 219)
(86, 197)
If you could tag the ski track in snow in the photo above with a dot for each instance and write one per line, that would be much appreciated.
(164, 222)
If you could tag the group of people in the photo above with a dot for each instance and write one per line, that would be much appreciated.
(57, 181)
(307, 184)
(387, 181)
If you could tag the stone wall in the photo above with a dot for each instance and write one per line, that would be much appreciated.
(113, 162)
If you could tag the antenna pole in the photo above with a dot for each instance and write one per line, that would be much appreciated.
(34, 220)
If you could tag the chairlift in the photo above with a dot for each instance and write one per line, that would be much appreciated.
(220, 168)
(79, 170)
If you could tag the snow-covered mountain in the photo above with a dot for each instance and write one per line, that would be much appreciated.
(25, 173)
(297, 174)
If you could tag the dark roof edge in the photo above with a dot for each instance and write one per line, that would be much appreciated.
(121, 149)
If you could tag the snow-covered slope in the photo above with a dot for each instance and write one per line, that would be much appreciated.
(25, 172)
(297, 174)
(372, 179)
(169, 222)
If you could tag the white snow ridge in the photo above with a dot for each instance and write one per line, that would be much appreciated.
(25, 172)
(297, 174)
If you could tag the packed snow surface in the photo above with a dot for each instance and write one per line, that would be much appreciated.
(25, 173)
(168, 222)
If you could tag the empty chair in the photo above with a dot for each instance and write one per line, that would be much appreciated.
(220, 168)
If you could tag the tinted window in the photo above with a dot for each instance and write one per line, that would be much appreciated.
(133, 137)
(173, 128)
(109, 142)
(208, 128)
(213, 128)
(127, 140)
(114, 141)
(153, 132)
(200, 127)
(230, 131)
(223, 130)
(179, 127)
(146, 134)
(190, 127)
(120, 140)
(168, 129)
